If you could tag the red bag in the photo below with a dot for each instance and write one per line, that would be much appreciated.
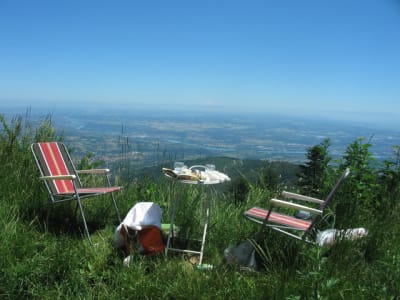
(149, 240)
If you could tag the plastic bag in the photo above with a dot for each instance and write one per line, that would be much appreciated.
(242, 255)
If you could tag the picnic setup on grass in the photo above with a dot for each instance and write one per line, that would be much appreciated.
(200, 175)
(142, 230)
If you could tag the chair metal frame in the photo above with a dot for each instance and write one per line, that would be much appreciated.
(298, 228)
(62, 180)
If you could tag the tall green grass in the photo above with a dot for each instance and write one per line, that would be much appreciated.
(45, 254)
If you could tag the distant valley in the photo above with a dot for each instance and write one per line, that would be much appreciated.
(147, 137)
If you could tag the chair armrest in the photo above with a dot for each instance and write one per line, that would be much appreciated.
(58, 177)
(301, 197)
(93, 171)
(286, 204)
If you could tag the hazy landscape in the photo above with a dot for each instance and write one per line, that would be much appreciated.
(147, 137)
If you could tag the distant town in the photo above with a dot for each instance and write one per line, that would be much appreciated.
(149, 137)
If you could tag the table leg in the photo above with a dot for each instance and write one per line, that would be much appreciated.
(175, 204)
(205, 228)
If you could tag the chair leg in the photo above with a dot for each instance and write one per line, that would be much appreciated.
(116, 208)
(113, 198)
(84, 221)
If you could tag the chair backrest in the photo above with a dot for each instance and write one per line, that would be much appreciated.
(326, 202)
(53, 159)
(328, 199)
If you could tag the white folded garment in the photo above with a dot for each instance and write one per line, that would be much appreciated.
(213, 176)
(143, 214)
(329, 236)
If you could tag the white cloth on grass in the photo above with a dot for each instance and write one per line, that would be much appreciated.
(140, 215)
(329, 236)
(143, 214)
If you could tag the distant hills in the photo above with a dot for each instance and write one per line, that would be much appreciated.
(150, 138)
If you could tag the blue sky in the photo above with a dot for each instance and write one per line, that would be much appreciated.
(329, 58)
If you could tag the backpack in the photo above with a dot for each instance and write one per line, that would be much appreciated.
(149, 241)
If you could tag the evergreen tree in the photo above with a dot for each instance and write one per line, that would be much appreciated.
(270, 177)
(313, 173)
(239, 189)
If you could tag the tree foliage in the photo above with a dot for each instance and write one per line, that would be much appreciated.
(270, 177)
(239, 189)
(314, 172)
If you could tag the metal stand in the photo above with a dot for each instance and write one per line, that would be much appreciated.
(209, 177)
(175, 205)
(203, 241)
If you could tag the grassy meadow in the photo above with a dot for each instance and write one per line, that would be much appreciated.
(45, 255)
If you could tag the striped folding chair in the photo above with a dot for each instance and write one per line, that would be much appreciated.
(62, 179)
(294, 225)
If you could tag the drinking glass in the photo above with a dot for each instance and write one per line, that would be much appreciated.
(210, 167)
(178, 166)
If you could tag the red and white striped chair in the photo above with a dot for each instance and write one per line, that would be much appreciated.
(291, 225)
(62, 179)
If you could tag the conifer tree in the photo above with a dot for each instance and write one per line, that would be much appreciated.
(313, 172)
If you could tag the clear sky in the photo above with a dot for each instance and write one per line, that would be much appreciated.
(330, 58)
